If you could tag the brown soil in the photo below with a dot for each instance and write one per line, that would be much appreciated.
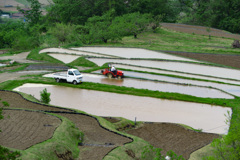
(22, 129)
(34, 127)
(199, 30)
(173, 137)
(228, 60)
(111, 119)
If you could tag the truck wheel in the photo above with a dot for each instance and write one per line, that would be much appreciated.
(57, 80)
(109, 75)
(75, 82)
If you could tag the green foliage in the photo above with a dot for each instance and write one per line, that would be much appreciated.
(151, 152)
(213, 13)
(132, 24)
(64, 33)
(9, 32)
(33, 15)
(228, 147)
(99, 28)
(78, 12)
(45, 96)
(6, 154)
(5, 104)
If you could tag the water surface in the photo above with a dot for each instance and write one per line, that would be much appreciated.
(132, 53)
(205, 70)
(199, 116)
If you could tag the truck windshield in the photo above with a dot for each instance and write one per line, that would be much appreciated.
(77, 73)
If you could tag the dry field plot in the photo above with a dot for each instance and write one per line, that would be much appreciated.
(199, 30)
(173, 137)
(22, 129)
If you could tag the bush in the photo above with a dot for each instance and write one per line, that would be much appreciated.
(45, 96)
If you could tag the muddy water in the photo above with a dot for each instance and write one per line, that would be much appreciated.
(68, 51)
(209, 118)
(232, 89)
(196, 91)
(65, 58)
(175, 73)
(177, 66)
(159, 86)
(132, 53)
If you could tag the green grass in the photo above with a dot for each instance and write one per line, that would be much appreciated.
(24, 2)
(138, 145)
(169, 40)
(65, 138)
(34, 55)
(81, 61)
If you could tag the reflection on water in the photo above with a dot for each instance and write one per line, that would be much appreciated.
(177, 66)
(232, 89)
(158, 86)
(175, 73)
(209, 118)
(132, 53)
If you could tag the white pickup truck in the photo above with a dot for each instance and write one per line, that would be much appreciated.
(72, 76)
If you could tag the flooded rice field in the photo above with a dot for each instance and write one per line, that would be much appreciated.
(196, 91)
(65, 58)
(199, 116)
(232, 89)
(68, 51)
(132, 53)
(236, 82)
(205, 70)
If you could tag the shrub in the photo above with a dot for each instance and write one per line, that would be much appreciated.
(45, 96)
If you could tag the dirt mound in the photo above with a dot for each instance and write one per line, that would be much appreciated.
(173, 137)
(22, 129)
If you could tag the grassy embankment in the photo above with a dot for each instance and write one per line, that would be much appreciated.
(170, 40)
(163, 40)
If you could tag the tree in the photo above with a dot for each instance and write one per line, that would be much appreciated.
(45, 96)
(64, 33)
(132, 23)
(34, 14)
(100, 27)
(222, 14)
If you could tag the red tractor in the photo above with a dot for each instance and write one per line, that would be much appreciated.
(112, 74)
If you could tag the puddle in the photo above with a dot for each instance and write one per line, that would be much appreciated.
(132, 53)
(2, 65)
(177, 66)
(159, 86)
(65, 58)
(199, 116)
(68, 51)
